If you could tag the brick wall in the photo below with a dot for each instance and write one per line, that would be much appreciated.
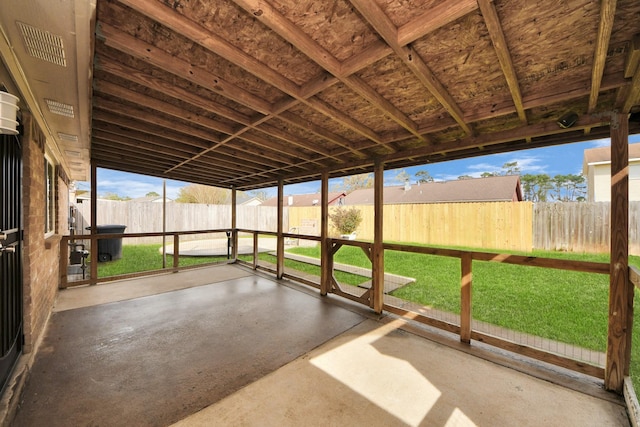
(41, 256)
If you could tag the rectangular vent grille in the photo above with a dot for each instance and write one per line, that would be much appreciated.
(59, 108)
(43, 45)
(67, 137)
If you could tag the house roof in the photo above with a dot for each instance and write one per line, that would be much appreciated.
(603, 154)
(150, 199)
(305, 199)
(491, 189)
(249, 93)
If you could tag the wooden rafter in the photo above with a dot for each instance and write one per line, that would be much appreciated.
(492, 21)
(437, 17)
(607, 15)
(383, 25)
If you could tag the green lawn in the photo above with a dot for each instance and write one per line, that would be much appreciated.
(138, 258)
(564, 306)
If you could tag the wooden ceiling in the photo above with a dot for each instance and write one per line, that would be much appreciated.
(246, 92)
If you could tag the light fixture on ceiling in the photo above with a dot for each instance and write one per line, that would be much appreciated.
(8, 113)
(567, 120)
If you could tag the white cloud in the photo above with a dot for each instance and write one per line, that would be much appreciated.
(604, 142)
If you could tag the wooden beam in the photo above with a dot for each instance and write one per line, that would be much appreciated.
(620, 288)
(183, 69)
(270, 17)
(633, 57)
(279, 236)
(607, 15)
(387, 30)
(633, 94)
(434, 18)
(492, 21)
(325, 272)
(377, 265)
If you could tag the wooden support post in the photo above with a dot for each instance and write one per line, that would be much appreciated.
(280, 237)
(325, 273)
(255, 251)
(377, 265)
(620, 289)
(234, 225)
(466, 278)
(64, 262)
(93, 255)
(176, 251)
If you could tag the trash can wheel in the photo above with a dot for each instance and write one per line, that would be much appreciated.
(104, 257)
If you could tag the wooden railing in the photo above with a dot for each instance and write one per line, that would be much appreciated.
(92, 270)
(463, 329)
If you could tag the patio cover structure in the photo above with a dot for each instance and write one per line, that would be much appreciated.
(245, 94)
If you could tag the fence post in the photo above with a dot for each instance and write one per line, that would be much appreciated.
(280, 237)
(255, 250)
(466, 278)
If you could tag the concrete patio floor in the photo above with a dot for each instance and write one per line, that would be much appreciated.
(224, 346)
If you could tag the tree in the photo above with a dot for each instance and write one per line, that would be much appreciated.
(198, 193)
(354, 182)
(511, 168)
(403, 176)
(152, 194)
(423, 176)
(465, 177)
(536, 187)
(259, 194)
(488, 174)
(114, 196)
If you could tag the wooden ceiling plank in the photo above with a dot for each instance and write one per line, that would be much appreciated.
(118, 114)
(162, 106)
(434, 18)
(607, 15)
(492, 21)
(182, 137)
(165, 15)
(387, 30)
(163, 60)
(159, 120)
(269, 16)
(191, 30)
(120, 142)
(155, 83)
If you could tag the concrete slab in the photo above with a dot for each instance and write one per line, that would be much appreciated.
(218, 247)
(154, 360)
(379, 375)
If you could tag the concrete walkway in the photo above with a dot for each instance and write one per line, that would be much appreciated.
(228, 347)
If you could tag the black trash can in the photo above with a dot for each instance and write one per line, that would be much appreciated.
(109, 249)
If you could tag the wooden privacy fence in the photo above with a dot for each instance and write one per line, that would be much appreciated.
(481, 225)
(146, 217)
(522, 226)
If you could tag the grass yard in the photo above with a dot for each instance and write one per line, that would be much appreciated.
(138, 258)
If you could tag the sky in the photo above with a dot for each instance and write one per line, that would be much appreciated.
(562, 159)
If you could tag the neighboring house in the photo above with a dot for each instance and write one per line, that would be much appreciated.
(597, 168)
(150, 199)
(254, 201)
(492, 189)
(298, 200)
